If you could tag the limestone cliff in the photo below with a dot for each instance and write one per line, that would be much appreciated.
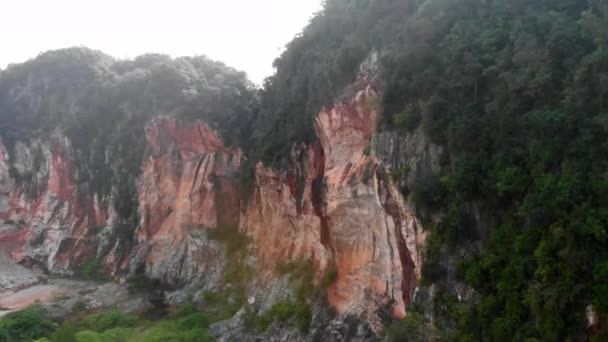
(333, 204)
(60, 225)
(337, 206)
(188, 184)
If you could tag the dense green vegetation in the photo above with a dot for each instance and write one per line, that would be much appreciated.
(414, 328)
(517, 99)
(31, 324)
(25, 325)
(516, 92)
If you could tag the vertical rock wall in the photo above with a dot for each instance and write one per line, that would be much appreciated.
(337, 206)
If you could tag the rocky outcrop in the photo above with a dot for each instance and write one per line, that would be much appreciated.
(58, 222)
(188, 184)
(325, 326)
(334, 204)
(411, 151)
(337, 206)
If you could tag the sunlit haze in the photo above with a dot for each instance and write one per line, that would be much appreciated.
(245, 34)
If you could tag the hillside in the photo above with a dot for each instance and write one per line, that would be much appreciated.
(515, 93)
(414, 170)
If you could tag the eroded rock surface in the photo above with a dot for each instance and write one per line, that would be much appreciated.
(412, 152)
(188, 184)
(58, 222)
(334, 204)
(337, 206)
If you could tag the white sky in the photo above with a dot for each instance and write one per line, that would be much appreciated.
(245, 34)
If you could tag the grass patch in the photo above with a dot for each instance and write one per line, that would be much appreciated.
(108, 320)
(412, 328)
(187, 324)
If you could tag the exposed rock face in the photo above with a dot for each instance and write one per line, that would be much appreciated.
(337, 206)
(334, 205)
(58, 223)
(412, 150)
(324, 327)
(188, 184)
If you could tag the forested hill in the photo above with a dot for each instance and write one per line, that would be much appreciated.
(517, 93)
(102, 104)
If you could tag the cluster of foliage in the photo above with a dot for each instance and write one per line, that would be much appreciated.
(90, 271)
(32, 324)
(517, 93)
(26, 325)
(414, 328)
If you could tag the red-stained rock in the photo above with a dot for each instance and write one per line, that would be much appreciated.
(55, 221)
(338, 206)
(189, 176)
(334, 204)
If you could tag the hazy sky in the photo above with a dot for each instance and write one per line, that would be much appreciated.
(245, 34)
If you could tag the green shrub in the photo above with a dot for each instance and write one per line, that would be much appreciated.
(86, 336)
(26, 325)
(159, 333)
(279, 312)
(600, 288)
(408, 120)
(66, 333)
(188, 324)
(108, 320)
(90, 270)
(412, 328)
(119, 334)
(197, 335)
(192, 321)
(330, 277)
(112, 335)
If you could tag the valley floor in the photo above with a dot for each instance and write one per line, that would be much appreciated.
(21, 287)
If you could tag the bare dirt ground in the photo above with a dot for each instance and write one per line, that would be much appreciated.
(11, 301)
